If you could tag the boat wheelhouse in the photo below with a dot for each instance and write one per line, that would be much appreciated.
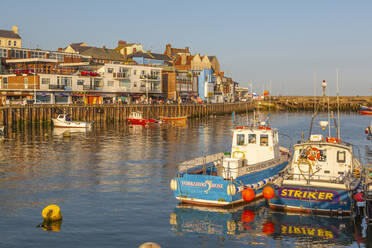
(322, 178)
(136, 118)
(64, 120)
(223, 179)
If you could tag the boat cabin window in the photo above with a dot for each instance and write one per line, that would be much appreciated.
(264, 140)
(68, 118)
(252, 138)
(323, 156)
(240, 139)
(341, 157)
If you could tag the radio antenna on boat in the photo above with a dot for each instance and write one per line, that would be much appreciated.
(338, 107)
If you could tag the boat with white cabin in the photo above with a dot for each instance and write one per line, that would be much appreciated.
(322, 178)
(64, 120)
(225, 179)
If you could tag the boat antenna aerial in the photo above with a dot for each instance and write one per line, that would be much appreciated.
(338, 108)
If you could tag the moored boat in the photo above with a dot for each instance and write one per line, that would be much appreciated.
(368, 131)
(225, 179)
(365, 110)
(174, 119)
(64, 120)
(136, 118)
(323, 177)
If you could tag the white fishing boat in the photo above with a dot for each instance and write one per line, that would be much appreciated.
(64, 120)
(324, 176)
(231, 178)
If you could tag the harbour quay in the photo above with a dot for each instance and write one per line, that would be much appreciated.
(43, 113)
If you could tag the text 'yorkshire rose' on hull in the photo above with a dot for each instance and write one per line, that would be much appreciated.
(235, 177)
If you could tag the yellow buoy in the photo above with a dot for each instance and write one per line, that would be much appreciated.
(51, 213)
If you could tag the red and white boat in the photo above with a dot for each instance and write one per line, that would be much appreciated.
(136, 118)
(365, 110)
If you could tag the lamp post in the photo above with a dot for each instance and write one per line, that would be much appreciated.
(324, 85)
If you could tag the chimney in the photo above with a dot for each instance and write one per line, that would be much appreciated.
(122, 42)
(187, 49)
(183, 59)
(168, 50)
(15, 29)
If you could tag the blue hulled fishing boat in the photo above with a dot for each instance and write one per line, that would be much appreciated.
(230, 178)
(322, 178)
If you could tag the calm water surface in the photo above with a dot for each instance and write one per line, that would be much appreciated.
(112, 185)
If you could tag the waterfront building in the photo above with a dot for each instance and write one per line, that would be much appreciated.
(125, 48)
(149, 58)
(173, 52)
(10, 38)
(97, 54)
(129, 83)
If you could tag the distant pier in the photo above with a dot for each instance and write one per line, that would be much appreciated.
(14, 115)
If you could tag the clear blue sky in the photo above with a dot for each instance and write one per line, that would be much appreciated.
(271, 44)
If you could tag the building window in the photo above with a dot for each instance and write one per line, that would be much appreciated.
(45, 81)
(15, 43)
(134, 72)
(5, 83)
(26, 82)
(0, 42)
(110, 70)
(110, 83)
(80, 82)
(9, 43)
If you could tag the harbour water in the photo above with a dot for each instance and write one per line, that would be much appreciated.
(112, 184)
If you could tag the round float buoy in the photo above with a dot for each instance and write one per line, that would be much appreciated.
(248, 216)
(248, 194)
(268, 228)
(268, 192)
(149, 245)
(51, 213)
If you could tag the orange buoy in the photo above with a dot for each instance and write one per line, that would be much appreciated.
(248, 194)
(247, 216)
(268, 192)
(268, 228)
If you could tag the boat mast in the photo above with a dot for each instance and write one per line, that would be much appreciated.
(338, 109)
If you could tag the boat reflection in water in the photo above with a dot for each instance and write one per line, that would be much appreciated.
(187, 218)
(61, 131)
(316, 230)
(255, 224)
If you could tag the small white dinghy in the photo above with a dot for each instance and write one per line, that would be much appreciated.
(64, 120)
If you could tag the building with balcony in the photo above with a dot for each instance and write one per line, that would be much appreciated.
(132, 82)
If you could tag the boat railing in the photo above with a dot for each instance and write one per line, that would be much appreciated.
(185, 166)
(317, 178)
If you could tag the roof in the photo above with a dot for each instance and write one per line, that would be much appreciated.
(211, 58)
(148, 55)
(103, 53)
(78, 48)
(9, 34)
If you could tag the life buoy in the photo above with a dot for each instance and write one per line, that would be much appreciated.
(313, 154)
(239, 155)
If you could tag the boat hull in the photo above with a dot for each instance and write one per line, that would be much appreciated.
(176, 118)
(70, 124)
(365, 112)
(139, 121)
(309, 199)
(209, 190)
